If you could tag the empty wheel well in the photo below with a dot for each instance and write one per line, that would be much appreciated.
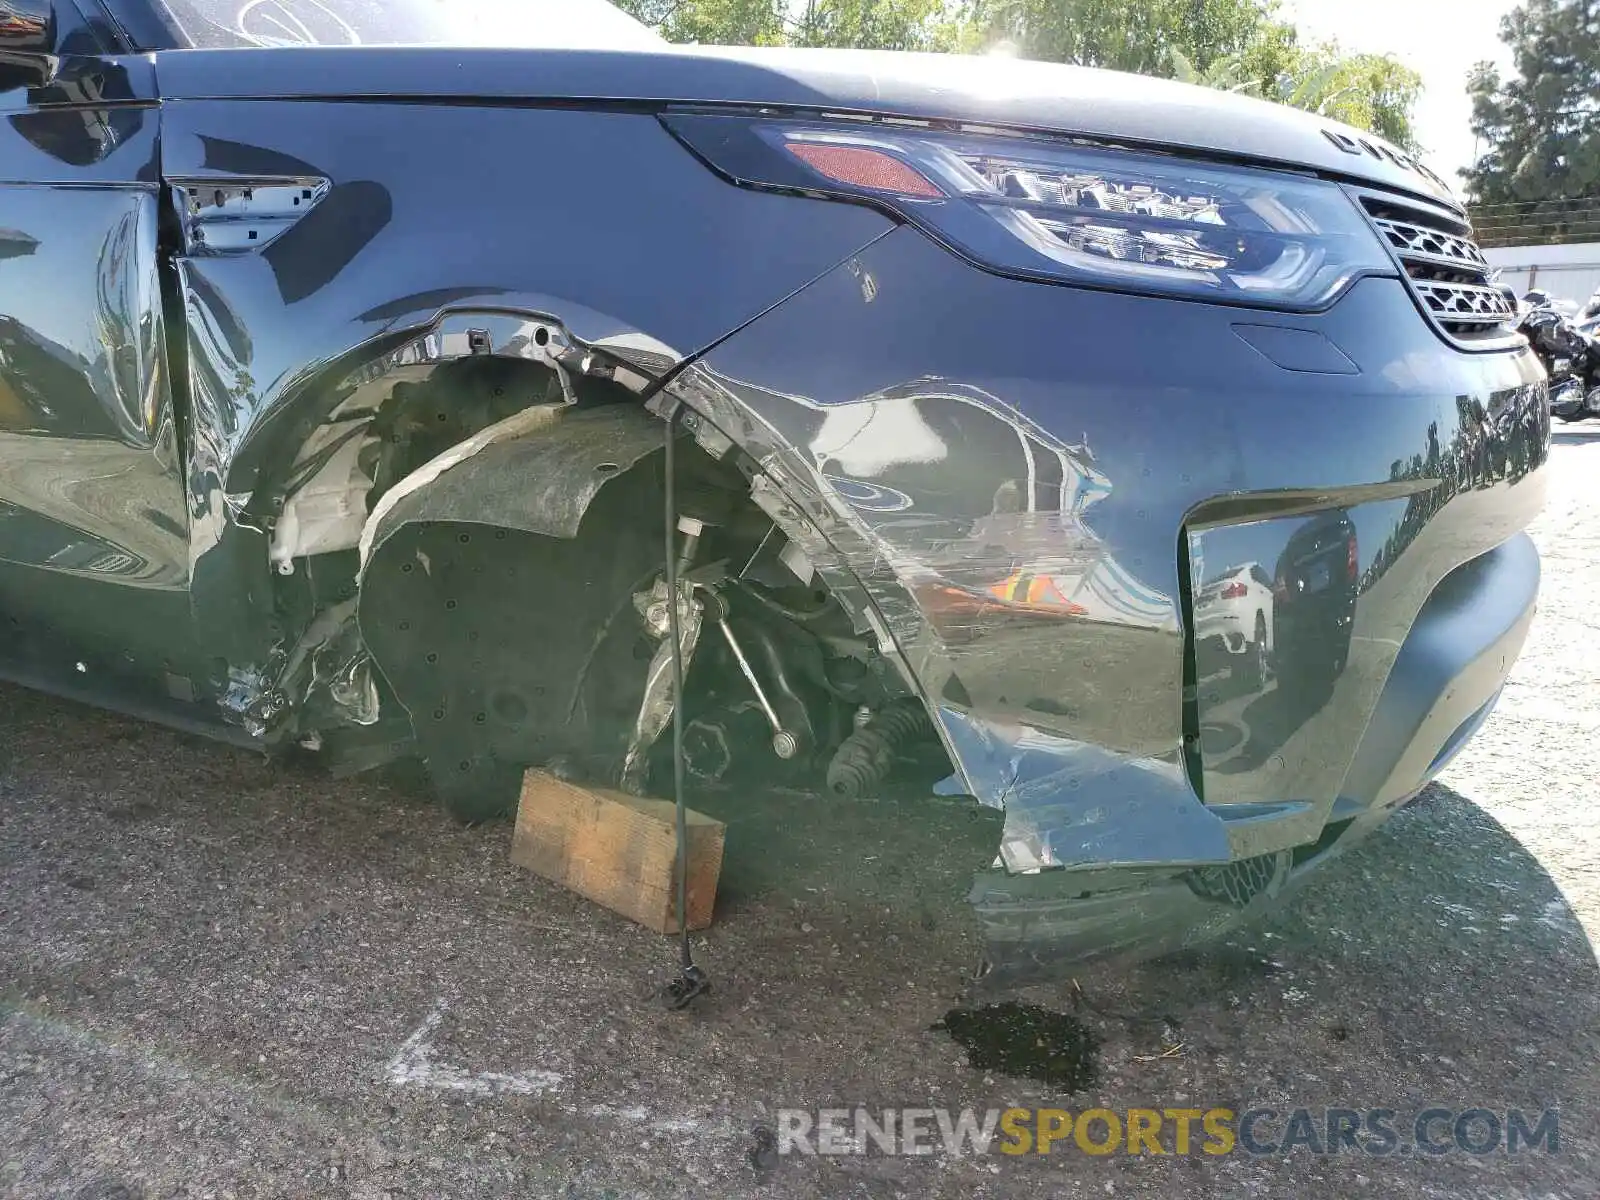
(499, 609)
(387, 416)
(512, 606)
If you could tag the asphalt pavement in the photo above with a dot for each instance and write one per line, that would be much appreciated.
(224, 977)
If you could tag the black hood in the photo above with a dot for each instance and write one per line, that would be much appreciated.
(1105, 105)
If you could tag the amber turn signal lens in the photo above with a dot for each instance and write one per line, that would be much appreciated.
(864, 168)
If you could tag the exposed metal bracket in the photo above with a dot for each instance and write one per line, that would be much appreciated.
(241, 216)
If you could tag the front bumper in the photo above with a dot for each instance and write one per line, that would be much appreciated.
(1225, 632)
(927, 431)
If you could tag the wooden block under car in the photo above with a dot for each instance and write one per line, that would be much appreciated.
(618, 850)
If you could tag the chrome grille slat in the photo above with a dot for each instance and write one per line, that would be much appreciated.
(1445, 269)
(1437, 262)
(1464, 302)
(1433, 245)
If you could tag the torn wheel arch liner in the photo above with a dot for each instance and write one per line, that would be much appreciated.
(263, 532)
(495, 624)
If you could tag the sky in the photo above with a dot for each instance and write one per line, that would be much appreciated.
(1440, 39)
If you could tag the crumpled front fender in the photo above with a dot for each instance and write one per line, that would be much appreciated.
(527, 211)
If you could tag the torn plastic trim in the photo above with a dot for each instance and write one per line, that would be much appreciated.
(324, 504)
(517, 425)
(324, 507)
(508, 478)
(536, 471)
(505, 635)
(331, 661)
(328, 665)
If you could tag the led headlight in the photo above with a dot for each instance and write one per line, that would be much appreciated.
(1058, 210)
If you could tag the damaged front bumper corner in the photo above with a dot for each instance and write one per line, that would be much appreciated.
(1022, 522)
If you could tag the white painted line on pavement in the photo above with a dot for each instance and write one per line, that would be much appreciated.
(414, 1066)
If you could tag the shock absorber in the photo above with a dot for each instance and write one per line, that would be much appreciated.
(863, 762)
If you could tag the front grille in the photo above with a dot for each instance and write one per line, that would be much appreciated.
(1435, 247)
(1464, 307)
(1447, 272)
(1238, 883)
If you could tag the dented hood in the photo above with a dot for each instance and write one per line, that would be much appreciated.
(1105, 105)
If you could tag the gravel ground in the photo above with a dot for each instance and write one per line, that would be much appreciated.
(227, 978)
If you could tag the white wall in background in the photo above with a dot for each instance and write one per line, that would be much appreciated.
(1566, 272)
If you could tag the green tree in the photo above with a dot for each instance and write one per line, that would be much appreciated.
(864, 24)
(1541, 128)
(1369, 91)
(713, 22)
(1138, 35)
(871, 24)
(1237, 45)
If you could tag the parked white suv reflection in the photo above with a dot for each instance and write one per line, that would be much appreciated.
(1233, 617)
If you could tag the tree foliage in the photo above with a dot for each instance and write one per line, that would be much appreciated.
(1236, 45)
(872, 24)
(1368, 91)
(1541, 128)
(714, 22)
(1139, 35)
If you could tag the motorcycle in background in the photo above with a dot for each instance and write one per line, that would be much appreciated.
(1570, 355)
(1589, 318)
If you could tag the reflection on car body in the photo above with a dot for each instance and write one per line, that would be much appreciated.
(1314, 586)
(1234, 618)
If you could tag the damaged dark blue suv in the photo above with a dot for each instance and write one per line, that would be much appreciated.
(1153, 461)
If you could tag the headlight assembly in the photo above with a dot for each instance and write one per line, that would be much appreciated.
(1056, 210)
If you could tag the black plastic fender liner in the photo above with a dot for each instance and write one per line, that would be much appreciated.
(508, 638)
(541, 482)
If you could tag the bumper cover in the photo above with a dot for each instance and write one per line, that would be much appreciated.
(1442, 686)
(1020, 488)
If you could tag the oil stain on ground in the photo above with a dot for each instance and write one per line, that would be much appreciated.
(1028, 1041)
